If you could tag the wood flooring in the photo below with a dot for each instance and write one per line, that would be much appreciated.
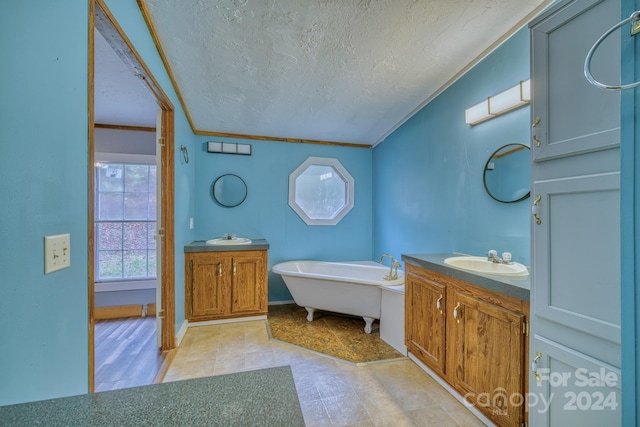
(126, 354)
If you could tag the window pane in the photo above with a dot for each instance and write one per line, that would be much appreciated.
(136, 178)
(109, 235)
(109, 264)
(320, 192)
(151, 239)
(110, 206)
(124, 248)
(135, 235)
(111, 177)
(152, 264)
(152, 205)
(135, 263)
(136, 206)
(152, 179)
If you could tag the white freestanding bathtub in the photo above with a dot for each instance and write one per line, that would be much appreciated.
(343, 287)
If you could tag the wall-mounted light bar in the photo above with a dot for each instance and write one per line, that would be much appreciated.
(501, 103)
(228, 148)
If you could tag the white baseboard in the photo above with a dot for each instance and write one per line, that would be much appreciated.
(453, 392)
(181, 332)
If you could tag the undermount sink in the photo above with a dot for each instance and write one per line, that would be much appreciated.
(227, 241)
(482, 265)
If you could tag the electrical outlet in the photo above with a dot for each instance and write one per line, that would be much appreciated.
(57, 252)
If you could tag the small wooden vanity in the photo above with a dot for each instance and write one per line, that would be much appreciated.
(225, 281)
(472, 331)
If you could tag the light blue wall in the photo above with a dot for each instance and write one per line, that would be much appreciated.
(266, 212)
(43, 191)
(129, 17)
(427, 185)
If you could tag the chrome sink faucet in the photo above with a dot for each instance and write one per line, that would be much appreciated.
(393, 274)
(492, 256)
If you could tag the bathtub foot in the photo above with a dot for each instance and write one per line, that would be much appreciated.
(310, 315)
(368, 321)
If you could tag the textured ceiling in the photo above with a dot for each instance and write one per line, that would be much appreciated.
(329, 70)
(120, 98)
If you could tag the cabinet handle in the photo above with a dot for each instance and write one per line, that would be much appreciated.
(456, 312)
(234, 268)
(534, 209)
(535, 124)
(534, 366)
(439, 304)
(219, 269)
(536, 140)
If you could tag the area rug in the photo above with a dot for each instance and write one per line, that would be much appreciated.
(265, 397)
(332, 334)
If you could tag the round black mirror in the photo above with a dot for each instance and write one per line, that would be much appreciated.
(229, 190)
(507, 173)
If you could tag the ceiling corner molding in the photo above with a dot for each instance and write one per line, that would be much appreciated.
(163, 58)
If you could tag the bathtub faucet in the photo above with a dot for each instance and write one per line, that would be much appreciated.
(393, 275)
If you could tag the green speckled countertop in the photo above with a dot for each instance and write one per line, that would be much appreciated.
(517, 287)
(264, 397)
(202, 246)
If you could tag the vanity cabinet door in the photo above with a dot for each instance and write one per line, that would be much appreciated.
(207, 285)
(248, 284)
(487, 352)
(220, 285)
(425, 321)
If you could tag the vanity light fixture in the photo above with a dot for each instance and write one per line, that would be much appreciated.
(228, 148)
(501, 103)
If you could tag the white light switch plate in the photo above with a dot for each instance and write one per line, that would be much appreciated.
(57, 252)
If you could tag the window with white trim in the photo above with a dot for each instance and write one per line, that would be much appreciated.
(125, 221)
(321, 191)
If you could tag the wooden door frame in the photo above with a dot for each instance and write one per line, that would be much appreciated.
(100, 18)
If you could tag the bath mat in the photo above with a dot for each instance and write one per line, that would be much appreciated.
(335, 335)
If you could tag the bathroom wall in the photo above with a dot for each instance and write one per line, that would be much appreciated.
(266, 213)
(44, 186)
(43, 111)
(427, 182)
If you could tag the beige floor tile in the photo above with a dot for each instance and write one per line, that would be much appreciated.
(331, 392)
(431, 416)
(401, 420)
(315, 414)
(379, 403)
(345, 409)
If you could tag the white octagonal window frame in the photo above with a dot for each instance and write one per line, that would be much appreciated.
(321, 191)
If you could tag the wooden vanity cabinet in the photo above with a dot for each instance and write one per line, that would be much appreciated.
(425, 319)
(221, 285)
(477, 344)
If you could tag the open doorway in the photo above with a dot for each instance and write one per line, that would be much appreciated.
(131, 248)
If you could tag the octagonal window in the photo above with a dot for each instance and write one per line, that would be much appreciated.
(321, 191)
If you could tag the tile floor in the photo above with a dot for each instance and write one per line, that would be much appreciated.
(331, 392)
